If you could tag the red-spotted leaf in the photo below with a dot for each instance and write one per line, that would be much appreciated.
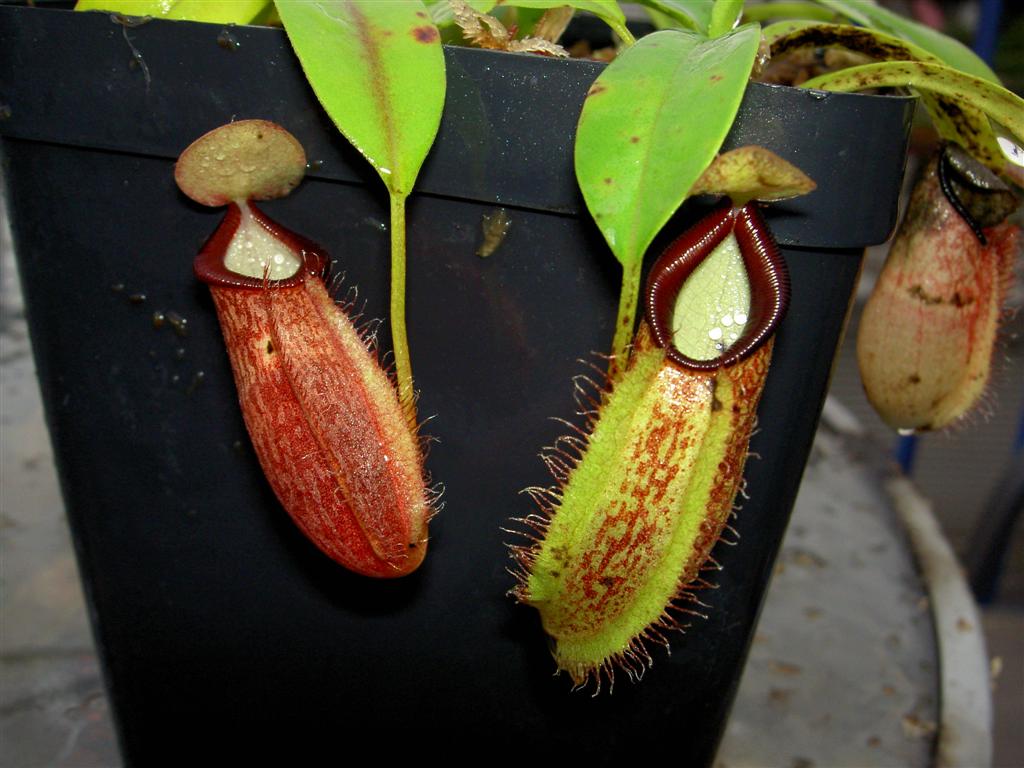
(652, 122)
(378, 70)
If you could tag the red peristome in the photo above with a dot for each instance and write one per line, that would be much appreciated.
(323, 416)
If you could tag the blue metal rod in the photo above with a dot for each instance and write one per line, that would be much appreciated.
(906, 449)
(987, 34)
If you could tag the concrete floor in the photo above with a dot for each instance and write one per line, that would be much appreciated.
(53, 710)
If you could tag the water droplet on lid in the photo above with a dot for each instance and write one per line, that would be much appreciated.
(715, 334)
(726, 320)
(740, 318)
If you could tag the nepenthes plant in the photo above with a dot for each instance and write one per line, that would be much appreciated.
(646, 488)
(325, 420)
(344, 459)
(626, 540)
(928, 332)
(682, 388)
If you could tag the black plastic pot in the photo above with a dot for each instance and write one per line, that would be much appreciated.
(224, 633)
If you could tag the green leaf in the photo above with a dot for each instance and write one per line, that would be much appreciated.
(993, 100)
(787, 11)
(851, 11)
(378, 71)
(674, 14)
(952, 52)
(607, 10)
(871, 42)
(526, 19)
(651, 123)
(237, 12)
(724, 15)
(953, 120)
(698, 10)
(773, 32)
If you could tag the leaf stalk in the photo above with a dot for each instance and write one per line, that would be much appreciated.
(399, 337)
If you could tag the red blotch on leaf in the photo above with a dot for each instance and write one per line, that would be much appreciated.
(425, 34)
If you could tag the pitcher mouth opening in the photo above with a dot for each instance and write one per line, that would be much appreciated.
(766, 271)
(210, 267)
